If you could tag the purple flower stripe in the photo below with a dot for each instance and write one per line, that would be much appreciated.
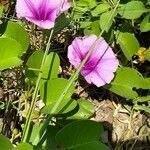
(43, 13)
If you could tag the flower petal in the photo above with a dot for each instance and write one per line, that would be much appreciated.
(41, 12)
(74, 56)
(109, 65)
(95, 78)
(101, 65)
(64, 6)
(79, 48)
(88, 41)
(25, 8)
(105, 74)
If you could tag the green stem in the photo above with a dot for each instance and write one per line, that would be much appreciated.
(35, 93)
(74, 76)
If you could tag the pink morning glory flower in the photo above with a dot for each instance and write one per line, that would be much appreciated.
(43, 13)
(101, 65)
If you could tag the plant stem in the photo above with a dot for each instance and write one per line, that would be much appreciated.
(35, 93)
(74, 76)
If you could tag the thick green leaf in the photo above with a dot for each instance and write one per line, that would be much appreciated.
(18, 33)
(126, 80)
(145, 24)
(96, 145)
(35, 134)
(86, 109)
(80, 133)
(24, 146)
(65, 107)
(101, 8)
(34, 62)
(9, 52)
(48, 141)
(50, 92)
(132, 10)
(129, 44)
(51, 65)
(5, 143)
(104, 19)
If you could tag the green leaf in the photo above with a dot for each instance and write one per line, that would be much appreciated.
(48, 141)
(126, 80)
(95, 145)
(9, 50)
(86, 109)
(61, 22)
(86, 3)
(85, 24)
(129, 44)
(83, 133)
(142, 99)
(18, 33)
(35, 133)
(95, 28)
(92, 28)
(5, 143)
(67, 106)
(104, 18)
(50, 92)
(51, 67)
(145, 24)
(101, 8)
(24, 146)
(132, 10)
(1, 10)
(78, 12)
(142, 108)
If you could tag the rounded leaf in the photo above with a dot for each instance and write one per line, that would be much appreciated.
(18, 33)
(126, 80)
(145, 24)
(24, 146)
(129, 44)
(51, 67)
(103, 20)
(79, 133)
(96, 145)
(86, 109)
(50, 92)
(5, 143)
(9, 50)
(100, 9)
(132, 10)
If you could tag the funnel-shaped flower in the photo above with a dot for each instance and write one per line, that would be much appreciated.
(101, 65)
(41, 12)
